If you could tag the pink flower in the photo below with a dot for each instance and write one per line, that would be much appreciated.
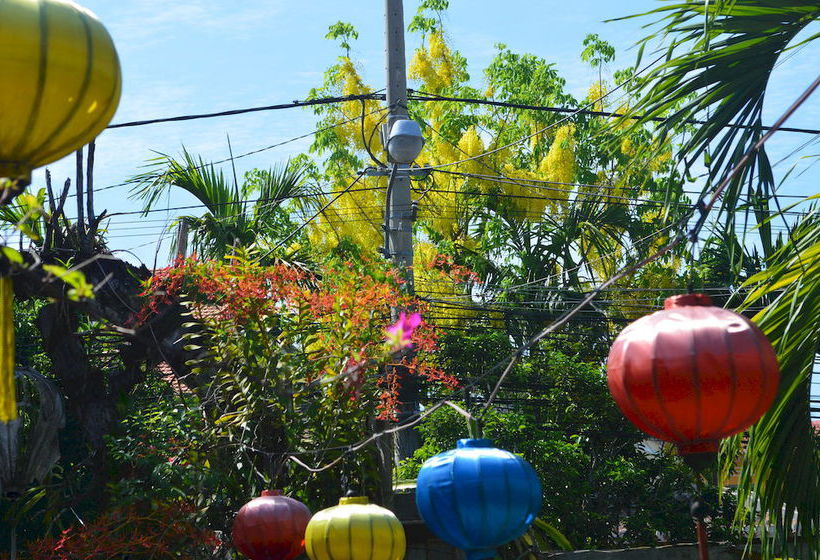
(400, 334)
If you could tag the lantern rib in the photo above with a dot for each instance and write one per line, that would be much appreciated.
(508, 495)
(454, 493)
(671, 421)
(350, 523)
(695, 373)
(372, 531)
(725, 423)
(42, 69)
(83, 91)
(755, 414)
(93, 125)
(390, 528)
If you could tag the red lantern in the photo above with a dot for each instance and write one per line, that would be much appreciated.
(693, 373)
(271, 527)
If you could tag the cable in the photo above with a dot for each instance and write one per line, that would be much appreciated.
(703, 207)
(308, 103)
(252, 152)
(309, 220)
(572, 114)
(422, 96)
(534, 183)
(239, 202)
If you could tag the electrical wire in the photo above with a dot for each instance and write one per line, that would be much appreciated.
(252, 152)
(703, 207)
(230, 112)
(423, 96)
(316, 215)
(573, 114)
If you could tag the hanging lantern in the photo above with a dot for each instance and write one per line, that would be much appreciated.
(693, 374)
(8, 394)
(355, 530)
(271, 527)
(61, 84)
(477, 497)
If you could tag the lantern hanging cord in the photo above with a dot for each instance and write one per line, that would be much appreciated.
(700, 206)
(510, 361)
(473, 423)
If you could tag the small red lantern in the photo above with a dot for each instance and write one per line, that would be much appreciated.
(693, 373)
(271, 527)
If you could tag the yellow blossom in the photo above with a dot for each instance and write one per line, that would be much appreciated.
(596, 94)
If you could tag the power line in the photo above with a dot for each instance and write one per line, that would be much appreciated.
(252, 152)
(316, 215)
(242, 202)
(422, 96)
(543, 129)
(294, 104)
(535, 183)
(704, 207)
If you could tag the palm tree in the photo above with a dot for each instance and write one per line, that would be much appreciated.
(780, 477)
(251, 214)
(717, 68)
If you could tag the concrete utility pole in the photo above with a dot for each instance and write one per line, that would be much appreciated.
(400, 205)
(400, 210)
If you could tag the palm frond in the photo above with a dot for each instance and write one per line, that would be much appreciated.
(719, 57)
(780, 473)
(192, 174)
(27, 215)
(279, 184)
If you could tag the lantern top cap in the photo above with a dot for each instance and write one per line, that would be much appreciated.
(687, 300)
(354, 500)
(271, 493)
(474, 442)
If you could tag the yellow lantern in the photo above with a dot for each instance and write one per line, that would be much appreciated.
(8, 395)
(61, 84)
(355, 530)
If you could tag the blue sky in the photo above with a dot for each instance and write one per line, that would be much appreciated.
(191, 56)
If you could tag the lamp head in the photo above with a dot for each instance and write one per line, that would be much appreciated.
(404, 141)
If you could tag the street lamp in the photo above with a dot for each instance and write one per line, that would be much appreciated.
(404, 141)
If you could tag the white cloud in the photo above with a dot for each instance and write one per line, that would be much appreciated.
(139, 23)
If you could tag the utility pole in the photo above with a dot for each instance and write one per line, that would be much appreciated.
(400, 205)
(400, 211)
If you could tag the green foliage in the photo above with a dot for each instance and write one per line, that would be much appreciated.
(780, 473)
(597, 52)
(26, 215)
(291, 366)
(256, 213)
(345, 32)
(29, 351)
(424, 23)
(719, 58)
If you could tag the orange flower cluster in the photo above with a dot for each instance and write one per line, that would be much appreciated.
(163, 532)
(345, 307)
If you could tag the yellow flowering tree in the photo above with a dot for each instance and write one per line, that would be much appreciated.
(519, 195)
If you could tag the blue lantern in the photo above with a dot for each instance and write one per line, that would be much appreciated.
(477, 497)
